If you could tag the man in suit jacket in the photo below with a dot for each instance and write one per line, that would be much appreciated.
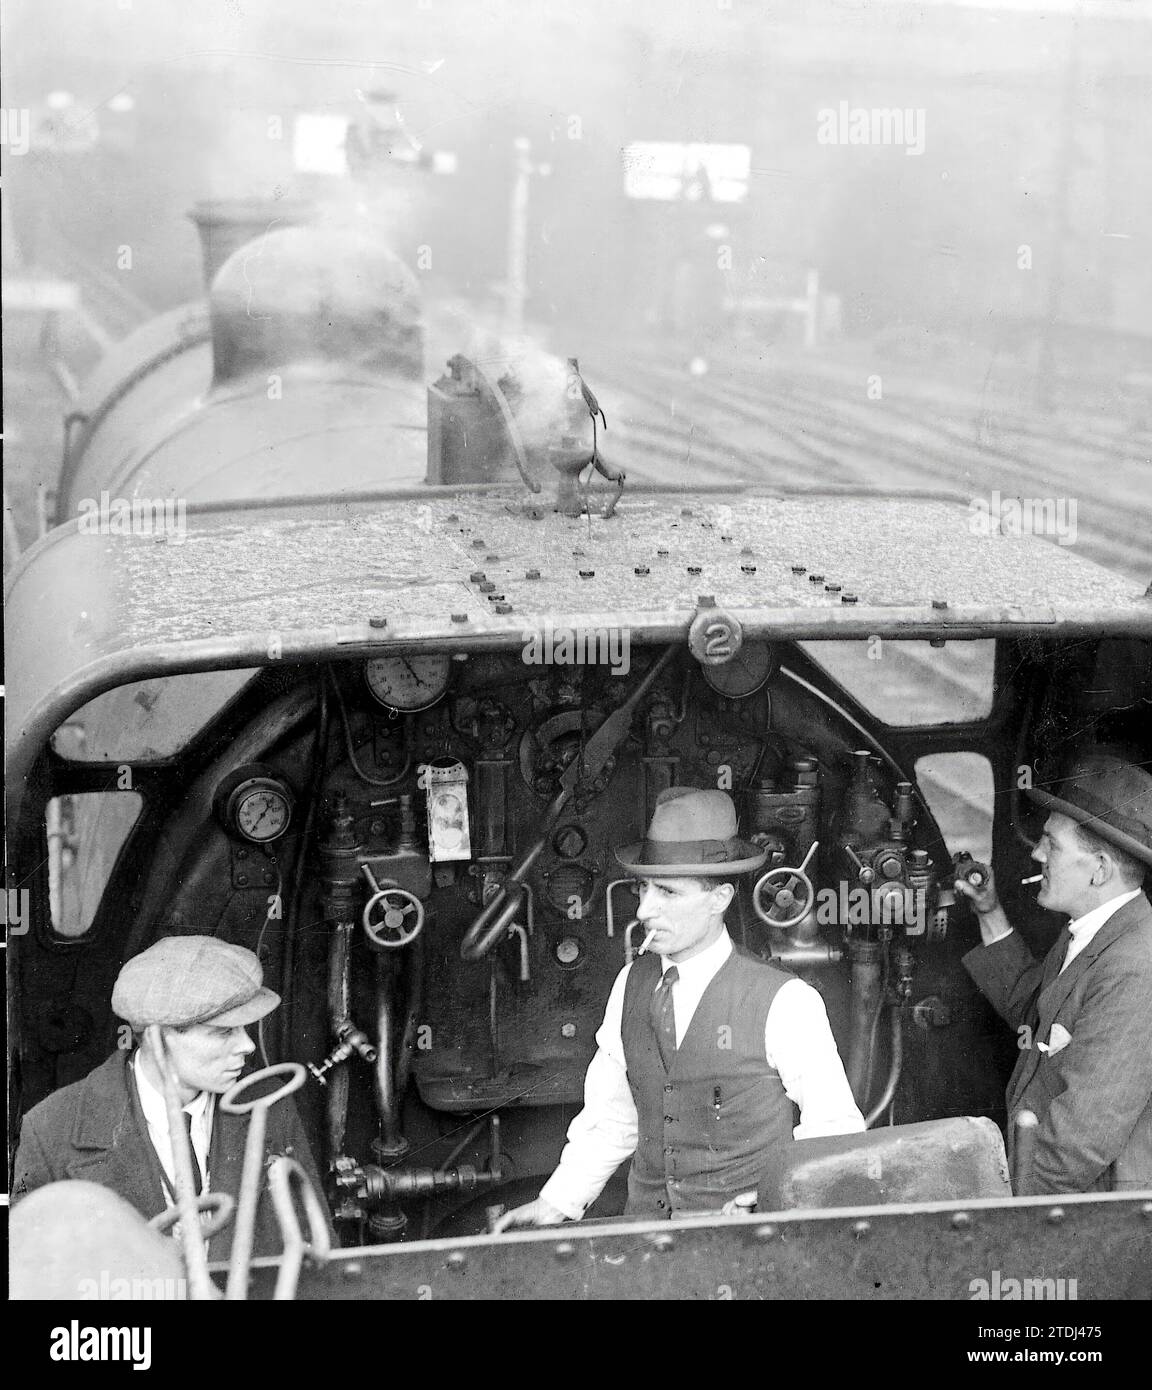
(1084, 1015)
(112, 1127)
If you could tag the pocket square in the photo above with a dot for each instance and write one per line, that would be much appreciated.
(1058, 1039)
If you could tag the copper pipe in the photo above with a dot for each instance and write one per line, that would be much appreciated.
(867, 1001)
(392, 1142)
(894, 1070)
(200, 1286)
(339, 942)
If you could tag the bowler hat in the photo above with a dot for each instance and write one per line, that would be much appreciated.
(692, 835)
(183, 980)
(1109, 796)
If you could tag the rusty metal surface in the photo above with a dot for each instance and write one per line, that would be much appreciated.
(88, 612)
(927, 1251)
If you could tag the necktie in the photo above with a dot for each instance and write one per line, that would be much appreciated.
(662, 1014)
(197, 1176)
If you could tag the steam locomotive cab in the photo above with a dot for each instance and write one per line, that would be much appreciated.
(414, 829)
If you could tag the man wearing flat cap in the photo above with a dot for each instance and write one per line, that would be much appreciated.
(704, 1048)
(1084, 1014)
(112, 1127)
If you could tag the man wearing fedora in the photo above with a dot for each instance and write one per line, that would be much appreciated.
(704, 1049)
(112, 1127)
(1084, 1015)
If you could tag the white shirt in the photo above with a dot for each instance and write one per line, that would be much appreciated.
(200, 1107)
(1083, 929)
(798, 1043)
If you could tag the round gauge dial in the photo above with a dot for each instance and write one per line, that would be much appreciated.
(259, 809)
(408, 682)
(745, 673)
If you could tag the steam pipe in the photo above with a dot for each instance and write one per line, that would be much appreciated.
(339, 942)
(894, 1070)
(392, 1142)
(867, 998)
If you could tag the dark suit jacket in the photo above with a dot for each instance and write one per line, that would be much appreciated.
(95, 1130)
(1093, 1098)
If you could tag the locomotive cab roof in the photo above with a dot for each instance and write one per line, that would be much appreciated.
(466, 568)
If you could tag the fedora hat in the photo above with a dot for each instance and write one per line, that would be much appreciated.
(692, 835)
(1109, 796)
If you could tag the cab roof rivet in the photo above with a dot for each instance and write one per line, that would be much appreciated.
(378, 622)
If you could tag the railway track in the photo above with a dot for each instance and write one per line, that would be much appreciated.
(776, 426)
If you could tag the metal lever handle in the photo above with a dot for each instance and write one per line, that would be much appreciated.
(245, 1233)
(282, 1173)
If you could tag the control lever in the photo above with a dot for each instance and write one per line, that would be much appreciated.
(498, 915)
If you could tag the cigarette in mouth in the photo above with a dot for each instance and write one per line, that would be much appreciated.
(647, 942)
(1034, 879)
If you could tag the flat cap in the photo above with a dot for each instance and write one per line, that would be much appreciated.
(183, 980)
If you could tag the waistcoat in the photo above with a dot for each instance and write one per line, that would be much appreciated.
(709, 1122)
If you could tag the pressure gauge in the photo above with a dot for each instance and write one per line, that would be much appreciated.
(259, 809)
(745, 673)
(408, 683)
